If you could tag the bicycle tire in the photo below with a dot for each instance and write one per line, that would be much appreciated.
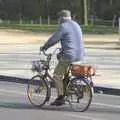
(76, 90)
(38, 91)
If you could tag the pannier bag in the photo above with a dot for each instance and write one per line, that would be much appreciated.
(85, 70)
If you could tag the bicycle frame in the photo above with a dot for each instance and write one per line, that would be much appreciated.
(75, 86)
(67, 75)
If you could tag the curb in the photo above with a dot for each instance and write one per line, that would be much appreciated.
(106, 90)
(89, 46)
(13, 79)
(97, 89)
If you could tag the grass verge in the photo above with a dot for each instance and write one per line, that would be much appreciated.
(51, 28)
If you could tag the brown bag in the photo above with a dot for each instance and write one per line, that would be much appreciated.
(86, 70)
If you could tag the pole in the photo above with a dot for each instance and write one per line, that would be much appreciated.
(20, 21)
(119, 28)
(85, 13)
(93, 12)
(40, 20)
(48, 20)
(20, 18)
(31, 22)
(111, 2)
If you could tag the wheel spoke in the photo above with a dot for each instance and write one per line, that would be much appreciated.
(37, 91)
(79, 94)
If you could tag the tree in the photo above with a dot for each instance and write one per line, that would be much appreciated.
(33, 9)
(76, 7)
(106, 9)
(85, 13)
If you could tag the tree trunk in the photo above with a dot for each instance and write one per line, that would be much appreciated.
(85, 13)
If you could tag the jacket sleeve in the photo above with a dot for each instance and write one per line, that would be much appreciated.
(54, 38)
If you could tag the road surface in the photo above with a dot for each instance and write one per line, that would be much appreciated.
(14, 105)
(15, 60)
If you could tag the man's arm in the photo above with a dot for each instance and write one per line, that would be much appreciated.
(54, 38)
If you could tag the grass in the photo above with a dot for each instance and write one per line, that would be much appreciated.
(97, 29)
(100, 29)
(33, 27)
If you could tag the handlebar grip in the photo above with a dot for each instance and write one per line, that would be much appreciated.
(45, 53)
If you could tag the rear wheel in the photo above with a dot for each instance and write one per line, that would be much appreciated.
(38, 91)
(79, 94)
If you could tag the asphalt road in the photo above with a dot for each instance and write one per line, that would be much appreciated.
(14, 105)
(15, 60)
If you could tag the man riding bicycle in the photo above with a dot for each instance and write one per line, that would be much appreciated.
(70, 36)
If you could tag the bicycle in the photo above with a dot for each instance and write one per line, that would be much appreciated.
(78, 89)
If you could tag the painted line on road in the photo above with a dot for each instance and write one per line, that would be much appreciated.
(5, 92)
(13, 92)
(106, 105)
(18, 52)
(83, 117)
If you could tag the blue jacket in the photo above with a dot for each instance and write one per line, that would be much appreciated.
(70, 36)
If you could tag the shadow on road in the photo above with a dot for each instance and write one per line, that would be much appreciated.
(13, 79)
(18, 105)
(64, 108)
(15, 105)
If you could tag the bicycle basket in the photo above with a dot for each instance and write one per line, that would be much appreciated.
(39, 66)
(85, 70)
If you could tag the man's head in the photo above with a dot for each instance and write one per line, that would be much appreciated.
(64, 15)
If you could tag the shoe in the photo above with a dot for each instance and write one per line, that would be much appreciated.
(59, 101)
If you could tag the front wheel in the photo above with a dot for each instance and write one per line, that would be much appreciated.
(38, 91)
(79, 94)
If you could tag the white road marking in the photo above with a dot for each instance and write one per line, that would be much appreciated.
(14, 93)
(106, 105)
(83, 117)
(11, 93)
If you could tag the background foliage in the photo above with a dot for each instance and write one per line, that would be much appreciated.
(33, 9)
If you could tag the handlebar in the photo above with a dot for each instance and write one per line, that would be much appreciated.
(50, 54)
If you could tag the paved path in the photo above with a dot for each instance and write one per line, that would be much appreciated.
(14, 105)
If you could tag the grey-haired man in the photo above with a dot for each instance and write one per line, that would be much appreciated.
(70, 36)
